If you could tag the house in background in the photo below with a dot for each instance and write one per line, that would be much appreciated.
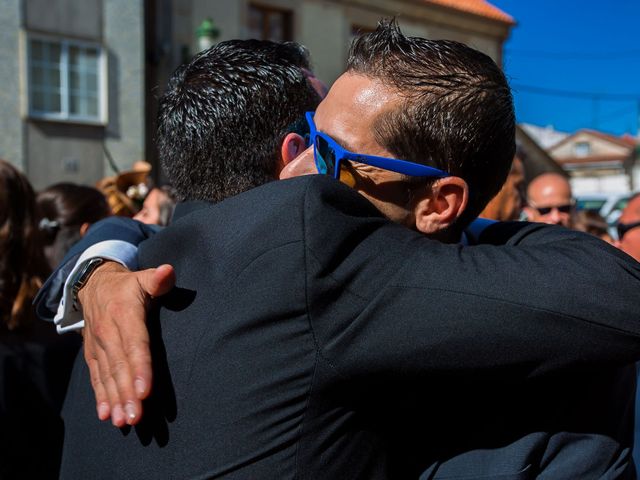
(81, 78)
(598, 162)
(546, 137)
(73, 87)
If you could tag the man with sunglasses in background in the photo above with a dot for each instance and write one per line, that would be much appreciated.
(629, 228)
(310, 337)
(628, 241)
(549, 200)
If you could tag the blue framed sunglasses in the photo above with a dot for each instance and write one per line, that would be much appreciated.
(329, 155)
(623, 228)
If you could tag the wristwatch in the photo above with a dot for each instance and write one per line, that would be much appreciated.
(81, 278)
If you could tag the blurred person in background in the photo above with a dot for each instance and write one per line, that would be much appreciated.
(158, 206)
(67, 212)
(549, 200)
(592, 222)
(35, 362)
(629, 228)
(629, 242)
(127, 190)
(507, 204)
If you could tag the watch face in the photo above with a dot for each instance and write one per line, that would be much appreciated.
(84, 274)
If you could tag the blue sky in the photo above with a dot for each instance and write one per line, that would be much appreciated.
(577, 46)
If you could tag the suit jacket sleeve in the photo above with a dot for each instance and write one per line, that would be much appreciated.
(385, 299)
(112, 228)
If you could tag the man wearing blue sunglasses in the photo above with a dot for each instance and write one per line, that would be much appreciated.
(330, 157)
(366, 350)
(628, 228)
(429, 154)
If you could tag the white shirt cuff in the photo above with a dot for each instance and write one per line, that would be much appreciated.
(67, 318)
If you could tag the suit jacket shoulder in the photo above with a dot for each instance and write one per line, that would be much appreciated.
(381, 295)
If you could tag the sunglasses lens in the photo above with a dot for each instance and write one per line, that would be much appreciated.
(325, 157)
(621, 231)
(346, 174)
(561, 208)
(623, 228)
(565, 208)
(321, 165)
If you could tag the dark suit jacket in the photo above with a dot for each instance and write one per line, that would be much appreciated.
(308, 337)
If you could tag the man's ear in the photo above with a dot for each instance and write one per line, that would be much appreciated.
(292, 146)
(530, 213)
(83, 228)
(441, 206)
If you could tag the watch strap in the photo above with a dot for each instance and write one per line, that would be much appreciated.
(81, 278)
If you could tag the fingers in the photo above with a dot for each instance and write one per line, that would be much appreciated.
(152, 282)
(116, 375)
(102, 399)
(105, 389)
(138, 354)
(157, 281)
(115, 405)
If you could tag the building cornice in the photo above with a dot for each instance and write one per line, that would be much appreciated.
(434, 14)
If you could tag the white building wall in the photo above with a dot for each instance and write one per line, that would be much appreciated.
(614, 184)
(636, 177)
(604, 184)
(584, 185)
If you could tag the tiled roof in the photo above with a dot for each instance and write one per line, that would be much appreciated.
(624, 141)
(603, 159)
(630, 139)
(476, 7)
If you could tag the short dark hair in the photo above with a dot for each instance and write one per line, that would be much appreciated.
(64, 208)
(456, 113)
(71, 205)
(295, 53)
(224, 115)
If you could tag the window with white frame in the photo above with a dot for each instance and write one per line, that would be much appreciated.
(66, 80)
(582, 149)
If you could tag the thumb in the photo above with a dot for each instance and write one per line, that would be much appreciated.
(157, 281)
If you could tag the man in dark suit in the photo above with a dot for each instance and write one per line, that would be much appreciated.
(333, 346)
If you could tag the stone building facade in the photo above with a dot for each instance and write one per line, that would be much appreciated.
(73, 95)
